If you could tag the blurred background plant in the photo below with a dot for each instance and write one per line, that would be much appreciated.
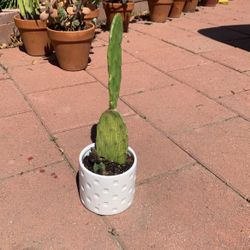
(8, 4)
(29, 9)
(65, 15)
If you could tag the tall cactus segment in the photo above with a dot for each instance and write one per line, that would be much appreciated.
(112, 136)
(115, 60)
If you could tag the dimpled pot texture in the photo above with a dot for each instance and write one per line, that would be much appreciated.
(72, 47)
(159, 10)
(124, 9)
(177, 8)
(34, 36)
(106, 195)
(190, 6)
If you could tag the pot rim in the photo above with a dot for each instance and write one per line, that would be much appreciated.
(87, 149)
(18, 17)
(92, 26)
(129, 5)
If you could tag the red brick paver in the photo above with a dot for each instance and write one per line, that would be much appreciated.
(41, 210)
(185, 99)
(189, 209)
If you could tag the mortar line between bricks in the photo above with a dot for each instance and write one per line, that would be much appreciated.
(42, 123)
(115, 237)
(190, 51)
(221, 63)
(166, 174)
(192, 155)
(62, 87)
(30, 170)
(220, 178)
(165, 41)
(216, 25)
(171, 139)
(15, 114)
(196, 31)
(216, 100)
(83, 126)
(190, 86)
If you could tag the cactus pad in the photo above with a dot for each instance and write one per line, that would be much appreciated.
(112, 137)
(115, 60)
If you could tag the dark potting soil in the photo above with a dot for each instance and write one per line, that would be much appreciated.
(111, 168)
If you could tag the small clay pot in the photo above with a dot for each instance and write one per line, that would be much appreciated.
(177, 8)
(34, 36)
(209, 3)
(190, 6)
(72, 47)
(159, 10)
(113, 8)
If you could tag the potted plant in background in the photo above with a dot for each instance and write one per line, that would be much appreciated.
(159, 10)
(124, 7)
(93, 5)
(190, 6)
(108, 168)
(69, 32)
(33, 31)
(8, 4)
(177, 8)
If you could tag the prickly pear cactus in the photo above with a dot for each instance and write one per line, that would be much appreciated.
(115, 60)
(112, 136)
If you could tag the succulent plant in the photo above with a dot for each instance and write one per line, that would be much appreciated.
(29, 9)
(67, 15)
(112, 137)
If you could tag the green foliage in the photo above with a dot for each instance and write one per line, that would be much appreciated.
(69, 15)
(114, 61)
(29, 9)
(112, 136)
(8, 4)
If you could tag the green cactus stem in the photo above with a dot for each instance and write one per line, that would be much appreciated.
(112, 136)
(115, 61)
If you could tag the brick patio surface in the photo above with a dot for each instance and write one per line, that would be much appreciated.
(185, 97)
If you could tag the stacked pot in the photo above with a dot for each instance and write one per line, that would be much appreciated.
(160, 10)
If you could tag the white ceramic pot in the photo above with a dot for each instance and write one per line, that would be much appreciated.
(106, 195)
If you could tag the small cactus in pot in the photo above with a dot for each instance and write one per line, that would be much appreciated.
(112, 137)
(107, 171)
(110, 155)
(65, 15)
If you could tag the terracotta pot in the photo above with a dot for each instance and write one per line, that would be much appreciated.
(34, 36)
(72, 47)
(190, 6)
(177, 8)
(93, 14)
(159, 10)
(124, 9)
(209, 3)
